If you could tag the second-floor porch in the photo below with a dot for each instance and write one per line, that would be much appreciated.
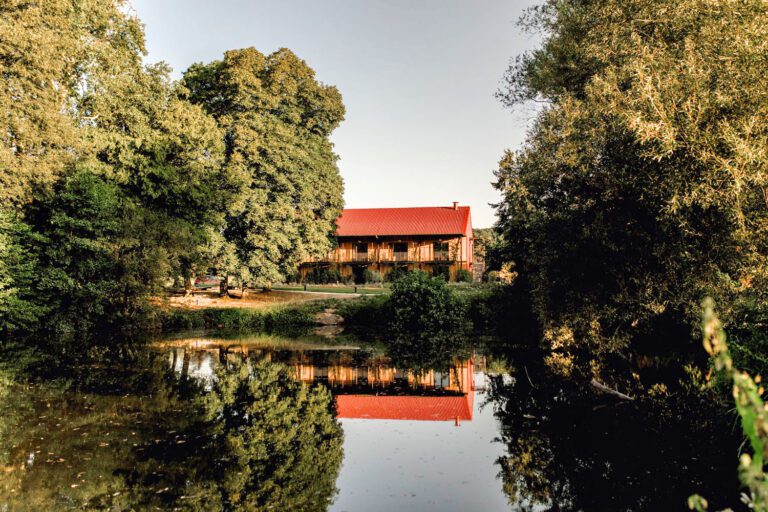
(413, 251)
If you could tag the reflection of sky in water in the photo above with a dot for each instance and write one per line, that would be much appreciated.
(421, 465)
(200, 368)
(404, 465)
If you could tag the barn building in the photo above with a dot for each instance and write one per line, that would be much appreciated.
(437, 240)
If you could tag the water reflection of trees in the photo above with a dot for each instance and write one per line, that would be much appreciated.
(569, 450)
(128, 434)
(258, 441)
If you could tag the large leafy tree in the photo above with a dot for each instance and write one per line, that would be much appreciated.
(50, 51)
(276, 119)
(642, 185)
(114, 180)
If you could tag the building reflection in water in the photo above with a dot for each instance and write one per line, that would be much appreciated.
(365, 384)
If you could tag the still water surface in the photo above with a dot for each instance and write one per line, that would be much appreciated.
(209, 422)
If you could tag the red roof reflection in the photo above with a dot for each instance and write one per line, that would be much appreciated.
(409, 407)
(424, 408)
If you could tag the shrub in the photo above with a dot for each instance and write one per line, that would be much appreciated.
(442, 271)
(464, 276)
(324, 276)
(373, 312)
(273, 319)
(752, 411)
(396, 273)
(372, 276)
(428, 323)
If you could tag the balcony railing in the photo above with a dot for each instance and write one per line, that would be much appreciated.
(384, 256)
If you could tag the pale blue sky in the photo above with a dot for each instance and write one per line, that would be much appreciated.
(417, 77)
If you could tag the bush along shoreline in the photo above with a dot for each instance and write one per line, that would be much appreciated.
(280, 317)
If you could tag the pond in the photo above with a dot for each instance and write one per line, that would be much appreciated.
(207, 421)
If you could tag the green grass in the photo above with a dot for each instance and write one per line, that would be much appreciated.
(363, 290)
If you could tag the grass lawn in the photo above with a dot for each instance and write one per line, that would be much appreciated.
(363, 290)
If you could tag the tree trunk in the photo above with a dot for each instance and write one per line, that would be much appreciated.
(224, 285)
(189, 285)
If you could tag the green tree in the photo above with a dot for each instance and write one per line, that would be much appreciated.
(131, 199)
(52, 51)
(641, 187)
(276, 119)
(17, 271)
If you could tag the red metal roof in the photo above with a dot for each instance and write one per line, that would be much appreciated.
(425, 408)
(432, 220)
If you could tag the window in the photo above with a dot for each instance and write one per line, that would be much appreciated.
(362, 248)
(401, 247)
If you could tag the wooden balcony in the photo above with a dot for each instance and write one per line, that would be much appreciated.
(415, 254)
(395, 257)
(442, 256)
(399, 256)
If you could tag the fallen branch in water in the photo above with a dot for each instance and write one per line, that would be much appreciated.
(529, 377)
(605, 389)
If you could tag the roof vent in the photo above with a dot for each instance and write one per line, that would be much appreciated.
(455, 205)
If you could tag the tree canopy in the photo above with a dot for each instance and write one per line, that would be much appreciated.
(642, 185)
(276, 119)
(118, 181)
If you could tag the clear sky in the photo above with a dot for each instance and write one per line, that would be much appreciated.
(417, 77)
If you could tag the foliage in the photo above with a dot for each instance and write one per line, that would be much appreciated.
(641, 187)
(276, 120)
(372, 276)
(499, 310)
(747, 394)
(372, 313)
(119, 181)
(81, 279)
(490, 309)
(53, 52)
(486, 246)
(464, 276)
(505, 274)
(131, 215)
(18, 311)
(442, 271)
(319, 275)
(283, 318)
(427, 323)
(396, 272)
